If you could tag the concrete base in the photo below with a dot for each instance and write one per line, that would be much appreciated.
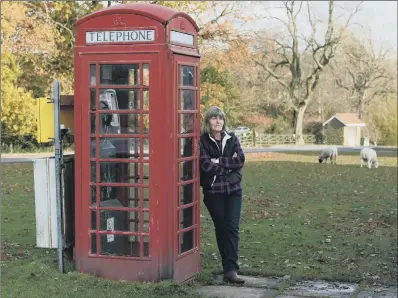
(235, 292)
(378, 292)
(321, 289)
(260, 287)
(257, 282)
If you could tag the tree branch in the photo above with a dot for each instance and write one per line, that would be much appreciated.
(48, 18)
(284, 54)
(272, 73)
(312, 40)
(341, 85)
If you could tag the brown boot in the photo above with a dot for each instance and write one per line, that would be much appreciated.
(232, 277)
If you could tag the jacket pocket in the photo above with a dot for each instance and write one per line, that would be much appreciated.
(234, 177)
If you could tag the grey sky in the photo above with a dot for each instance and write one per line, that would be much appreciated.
(379, 18)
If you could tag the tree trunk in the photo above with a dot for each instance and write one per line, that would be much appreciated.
(299, 125)
(361, 105)
(361, 110)
(320, 110)
(294, 119)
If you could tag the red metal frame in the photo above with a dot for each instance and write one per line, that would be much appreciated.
(134, 162)
(187, 262)
(164, 260)
(96, 263)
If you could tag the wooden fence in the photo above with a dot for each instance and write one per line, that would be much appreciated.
(262, 140)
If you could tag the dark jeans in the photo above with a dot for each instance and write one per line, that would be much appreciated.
(225, 210)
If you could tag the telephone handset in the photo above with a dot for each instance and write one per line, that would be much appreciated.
(109, 124)
(108, 101)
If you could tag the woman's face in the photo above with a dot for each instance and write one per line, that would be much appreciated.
(216, 123)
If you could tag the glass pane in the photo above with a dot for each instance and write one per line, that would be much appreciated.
(134, 221)
(134, 198)
(186, 170)
(186, 194)
(93, 196)
(93, 76)
(186, 123)
(187, 100)
(186, 241)
(119, 99)
(92, 123)
(128, 124)
(146, 148)
(119, 245)
(146, 75)
(145, 178)
(134, 241)
(186, 147)
(119, 74)
(145, 197)
(186, 217)
(117, 220)
(145, 228)
(118, 172)
(93, 176)
(110, 124)
(146, 99)
(92, 99)
(187, 75)
(146, 123)
(146, 246)
(93, 243)
(119, 195)
(93, 146)
(93, 220)
(117, 148)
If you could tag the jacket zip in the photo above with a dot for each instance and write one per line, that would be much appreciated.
(223, 144)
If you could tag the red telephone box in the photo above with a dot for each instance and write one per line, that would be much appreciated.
(136, 129)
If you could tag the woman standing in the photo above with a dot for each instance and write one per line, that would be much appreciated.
(221, 161)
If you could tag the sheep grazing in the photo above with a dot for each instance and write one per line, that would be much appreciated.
(370, 156)
(328, 152)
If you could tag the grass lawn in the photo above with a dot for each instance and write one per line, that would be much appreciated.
(311, 220)
(300, 218)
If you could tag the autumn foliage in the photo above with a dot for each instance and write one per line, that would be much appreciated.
(261, 78)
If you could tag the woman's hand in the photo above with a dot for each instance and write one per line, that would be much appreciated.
(236, 161)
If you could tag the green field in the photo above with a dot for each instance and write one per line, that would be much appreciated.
(300, 218)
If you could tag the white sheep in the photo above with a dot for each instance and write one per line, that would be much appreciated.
(370, 156)
(328, 152)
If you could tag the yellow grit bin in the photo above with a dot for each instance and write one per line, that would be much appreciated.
(45, 118)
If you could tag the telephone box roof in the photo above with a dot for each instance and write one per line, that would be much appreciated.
(159, 13)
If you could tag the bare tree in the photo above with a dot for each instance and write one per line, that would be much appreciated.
(368, 72)
(214, 18)
(327, 99)
(287, 69)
